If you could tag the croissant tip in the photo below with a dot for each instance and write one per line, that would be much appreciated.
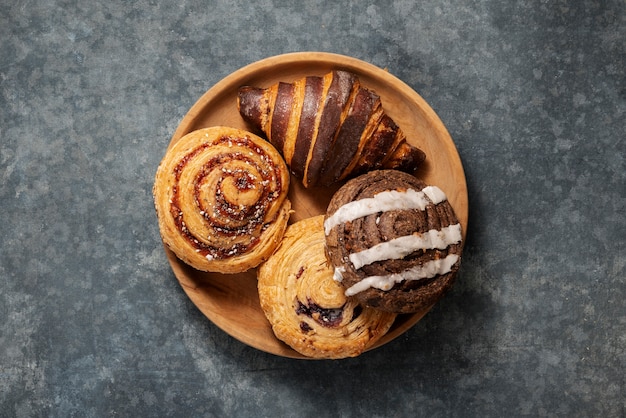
(249, 105)
(407, 158)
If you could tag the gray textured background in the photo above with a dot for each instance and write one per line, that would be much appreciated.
(93, 322)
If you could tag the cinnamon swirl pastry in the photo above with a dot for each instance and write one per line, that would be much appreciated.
(308, 310)
(394, 242)
(221, 199)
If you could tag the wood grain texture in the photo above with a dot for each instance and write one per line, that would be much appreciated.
(231, 301)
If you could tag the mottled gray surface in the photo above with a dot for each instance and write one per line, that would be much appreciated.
(93, 322)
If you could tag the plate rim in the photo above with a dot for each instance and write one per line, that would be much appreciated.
(333, 61)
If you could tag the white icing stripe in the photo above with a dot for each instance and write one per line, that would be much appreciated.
(428, 270)
(435, 194)
(383, 202)
(402, 246)
(338, 274)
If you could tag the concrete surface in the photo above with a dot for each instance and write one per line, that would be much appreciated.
(93, 322)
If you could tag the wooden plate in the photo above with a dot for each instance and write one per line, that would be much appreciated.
(232, 301)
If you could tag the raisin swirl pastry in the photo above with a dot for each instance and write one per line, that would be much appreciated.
(306, 307)
(395, 243)
(221, 199)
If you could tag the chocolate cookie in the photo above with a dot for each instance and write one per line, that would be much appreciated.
(394, 242)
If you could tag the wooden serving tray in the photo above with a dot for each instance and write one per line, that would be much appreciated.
(231, 301)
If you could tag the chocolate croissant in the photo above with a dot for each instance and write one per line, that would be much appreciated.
(328, 128)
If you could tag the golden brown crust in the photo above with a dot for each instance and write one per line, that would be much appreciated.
(306, 307)
(221, 199)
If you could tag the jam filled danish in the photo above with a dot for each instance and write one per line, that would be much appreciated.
(221, 199)
(307, 309)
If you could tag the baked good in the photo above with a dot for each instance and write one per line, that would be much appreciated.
(221, 199)
(306, 307)
(394, 242)
(328, 128)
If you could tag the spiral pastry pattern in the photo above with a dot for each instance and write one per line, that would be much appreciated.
(221, 199)
(395, 243)
(307, 309)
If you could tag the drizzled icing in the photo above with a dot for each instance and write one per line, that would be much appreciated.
(338, 274)
(425, 271)
(383, 202)
(400, 247)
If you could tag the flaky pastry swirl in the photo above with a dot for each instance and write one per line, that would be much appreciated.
(221, 199)
(306, 307)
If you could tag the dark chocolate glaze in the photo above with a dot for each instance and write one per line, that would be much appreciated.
(313, 89)
(350, 121)
(282, 112)
(336, 99)
(405, 158)
(249, 102)
(348, 138)
(375, 151)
